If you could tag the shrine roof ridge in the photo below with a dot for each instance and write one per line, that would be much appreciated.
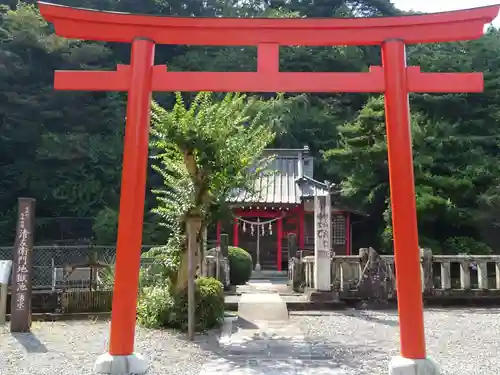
(89, 24)
(287, 152)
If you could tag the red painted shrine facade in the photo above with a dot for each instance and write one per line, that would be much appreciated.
(393, 78)
(282, 203)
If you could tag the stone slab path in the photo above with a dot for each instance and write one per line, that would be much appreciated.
(262, 340)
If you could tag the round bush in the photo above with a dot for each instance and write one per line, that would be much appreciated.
(240, 265)
(159, 307)
(210, 302)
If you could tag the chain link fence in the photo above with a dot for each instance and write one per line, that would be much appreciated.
(47, 258)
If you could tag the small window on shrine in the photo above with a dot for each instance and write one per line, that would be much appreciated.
(338, 230)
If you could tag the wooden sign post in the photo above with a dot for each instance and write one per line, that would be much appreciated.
(20, 318)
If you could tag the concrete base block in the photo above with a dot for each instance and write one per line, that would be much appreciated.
(134, 364)
(406, 366)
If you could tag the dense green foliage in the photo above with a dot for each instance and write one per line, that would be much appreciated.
(64, 149)
(205, 152)
(240, 265)
(159, 306)
(465, 245)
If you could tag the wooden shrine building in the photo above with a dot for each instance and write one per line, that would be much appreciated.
(283, 203)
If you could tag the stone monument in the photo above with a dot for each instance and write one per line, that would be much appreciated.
(322, 241)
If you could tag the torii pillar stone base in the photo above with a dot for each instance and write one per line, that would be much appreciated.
(134, 364)
(406, 366)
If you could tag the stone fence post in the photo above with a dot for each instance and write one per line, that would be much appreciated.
(295, 266)
(426, 268)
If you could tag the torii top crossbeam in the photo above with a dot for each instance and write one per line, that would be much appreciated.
(121, 27)
(267, 34)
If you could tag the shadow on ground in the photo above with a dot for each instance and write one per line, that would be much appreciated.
(277, 353)
(369, 317)
(30, 342)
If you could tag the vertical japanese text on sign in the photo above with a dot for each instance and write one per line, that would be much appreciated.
(22, 270)
(21, 277)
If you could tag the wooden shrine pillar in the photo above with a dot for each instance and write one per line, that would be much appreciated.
(279, 245)
(302, 227)
(348, 239)
(236, 233)
(217, 233)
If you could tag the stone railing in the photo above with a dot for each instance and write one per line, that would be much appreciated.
(484, 269)
(366, 276)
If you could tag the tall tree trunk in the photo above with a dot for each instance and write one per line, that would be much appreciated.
(193, 228)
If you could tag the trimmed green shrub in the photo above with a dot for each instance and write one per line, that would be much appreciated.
(154, 306)
(209, 305)
(159, 307)
(240, 265)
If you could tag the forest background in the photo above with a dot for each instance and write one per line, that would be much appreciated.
(65, 149)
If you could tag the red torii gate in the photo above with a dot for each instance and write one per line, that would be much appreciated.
(393, 78)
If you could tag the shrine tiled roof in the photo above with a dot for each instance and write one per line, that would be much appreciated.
(288, 181)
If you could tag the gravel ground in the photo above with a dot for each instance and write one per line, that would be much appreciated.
(462, 341)
(70, 348)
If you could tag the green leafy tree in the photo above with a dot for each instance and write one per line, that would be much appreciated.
(446, 179)
(204, 152)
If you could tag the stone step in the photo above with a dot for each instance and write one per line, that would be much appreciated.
(255, 307)
(282, 275)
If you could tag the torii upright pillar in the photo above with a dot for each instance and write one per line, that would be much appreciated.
(393, 79)
(404, 210)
